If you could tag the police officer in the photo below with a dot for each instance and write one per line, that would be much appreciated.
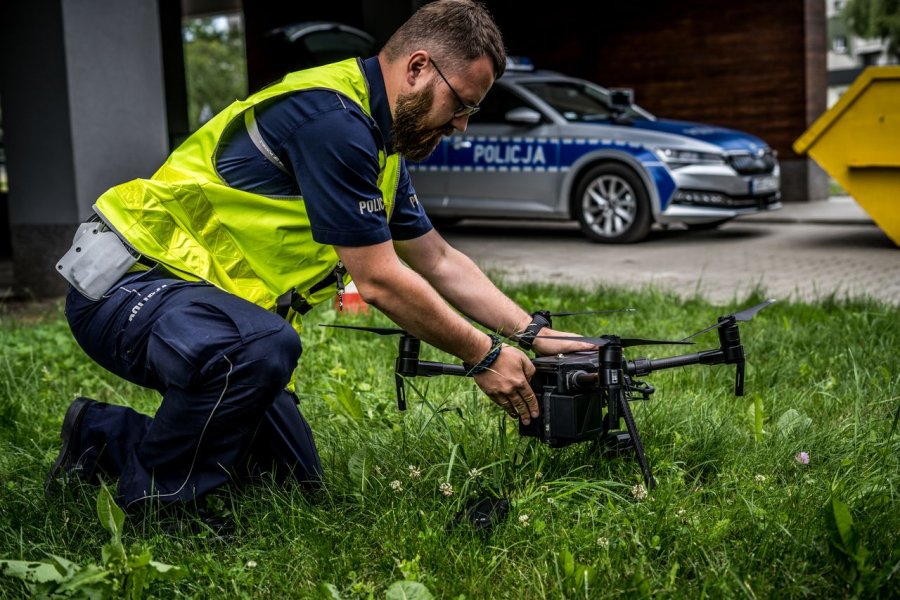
(265, 211)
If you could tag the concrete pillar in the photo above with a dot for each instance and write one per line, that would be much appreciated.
(84, 109)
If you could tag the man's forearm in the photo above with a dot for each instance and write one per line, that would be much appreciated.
(466, 287)
(410, 302)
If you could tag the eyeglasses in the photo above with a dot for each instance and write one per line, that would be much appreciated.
(465, 110)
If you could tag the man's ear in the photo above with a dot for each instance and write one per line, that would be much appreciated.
(415, 66)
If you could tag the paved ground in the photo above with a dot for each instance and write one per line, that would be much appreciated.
(804, 251)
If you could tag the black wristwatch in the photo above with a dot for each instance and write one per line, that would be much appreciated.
(539, 320)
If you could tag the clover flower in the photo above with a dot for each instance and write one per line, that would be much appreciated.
(446, 488)
(251, 564)
(474, 473)
(538, 475)
(639, 492)
(603, 542)
(760, 479)
(414, 472)
(396, 485)
(523, 520)
(802, 458)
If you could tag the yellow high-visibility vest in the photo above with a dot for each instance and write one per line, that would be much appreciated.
(257, 247)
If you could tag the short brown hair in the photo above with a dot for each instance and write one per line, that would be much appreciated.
(456, 31)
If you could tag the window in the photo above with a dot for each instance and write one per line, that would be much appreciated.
(839, 44)
(496, 104)
(579, 102)
(869, 59)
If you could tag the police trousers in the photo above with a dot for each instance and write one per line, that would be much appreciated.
(221, 365)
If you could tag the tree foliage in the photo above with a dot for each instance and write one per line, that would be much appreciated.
(215, 66)
(875, 19)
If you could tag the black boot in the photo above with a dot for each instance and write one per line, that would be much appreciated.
(68, 462)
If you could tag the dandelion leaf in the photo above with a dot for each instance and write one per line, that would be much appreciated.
(89, 581)
(793, 420)
(328, 591)
(408, 590)
(30, 571)
(840, 522)
(164, 571)
(359, 465)
(111, 516)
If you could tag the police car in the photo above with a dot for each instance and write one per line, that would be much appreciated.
(548, 146)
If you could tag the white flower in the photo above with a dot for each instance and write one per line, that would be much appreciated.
(545, 489)
(474, 473)
(446, 488)
(251, 564)
(396, 485)
(681, 512)
(414, 472)
(523, 520)
(760, 479)
(603, 542)
(538, 475)
(639, 492)
(551, 500)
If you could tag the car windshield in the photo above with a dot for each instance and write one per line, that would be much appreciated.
(579, 102)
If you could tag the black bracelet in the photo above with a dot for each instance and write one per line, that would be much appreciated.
(488, 359)
(539, 320)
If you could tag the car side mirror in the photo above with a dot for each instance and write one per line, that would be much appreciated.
(621, 98)
(620, 102)
(523, 116)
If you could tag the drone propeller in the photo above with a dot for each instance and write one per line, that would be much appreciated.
(375, 330)
(744, 315)
(592, 312)
(603, 341)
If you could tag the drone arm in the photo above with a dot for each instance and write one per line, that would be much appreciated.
(645, 366)
(425, 368)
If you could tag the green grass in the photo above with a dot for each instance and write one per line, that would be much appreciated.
(734, 515)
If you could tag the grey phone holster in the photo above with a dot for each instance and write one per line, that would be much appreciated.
(97, 259)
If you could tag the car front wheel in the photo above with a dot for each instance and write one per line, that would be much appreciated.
(611, 205)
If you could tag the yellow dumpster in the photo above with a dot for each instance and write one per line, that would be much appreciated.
(857, 142)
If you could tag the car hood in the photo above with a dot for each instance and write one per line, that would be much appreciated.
(724, 138)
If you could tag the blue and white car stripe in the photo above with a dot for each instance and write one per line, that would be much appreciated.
(493, 154)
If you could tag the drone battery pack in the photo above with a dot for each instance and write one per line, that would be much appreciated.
(566, 419)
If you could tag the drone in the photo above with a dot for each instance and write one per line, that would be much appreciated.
(585, 396)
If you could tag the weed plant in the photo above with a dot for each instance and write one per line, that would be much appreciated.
(788, 492)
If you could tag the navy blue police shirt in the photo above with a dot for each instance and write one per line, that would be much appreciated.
(330, 149)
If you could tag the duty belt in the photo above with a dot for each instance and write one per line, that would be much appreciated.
(292, 299)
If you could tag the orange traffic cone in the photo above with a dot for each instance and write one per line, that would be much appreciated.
(353, 302)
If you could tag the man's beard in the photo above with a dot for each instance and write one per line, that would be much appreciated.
(411, 137)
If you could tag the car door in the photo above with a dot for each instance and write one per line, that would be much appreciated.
(502, 168)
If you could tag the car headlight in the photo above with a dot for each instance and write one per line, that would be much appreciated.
(676, 159)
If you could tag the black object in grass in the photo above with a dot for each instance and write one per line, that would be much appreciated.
(483, 514)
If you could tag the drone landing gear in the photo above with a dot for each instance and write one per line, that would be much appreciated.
(617, 443)
(636, 441)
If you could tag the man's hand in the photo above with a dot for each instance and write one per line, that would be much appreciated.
(506, 383)
(545, 347)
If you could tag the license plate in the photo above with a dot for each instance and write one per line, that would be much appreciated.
(764, 185)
